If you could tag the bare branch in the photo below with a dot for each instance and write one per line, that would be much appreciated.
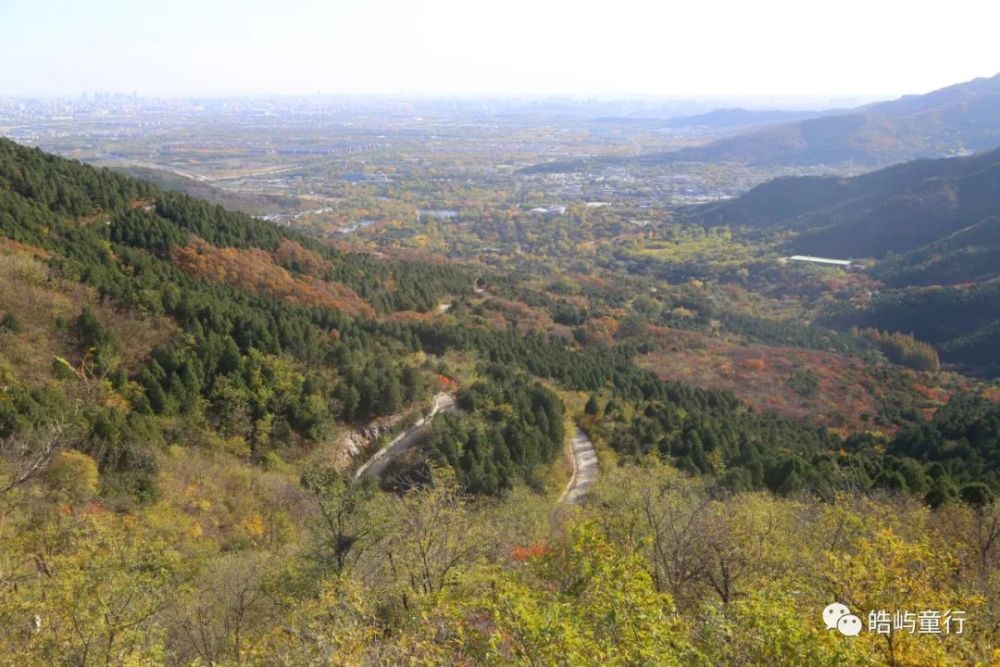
(53, 440)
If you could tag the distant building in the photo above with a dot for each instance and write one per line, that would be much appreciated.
(437, 214)
(842, 263)
(551, 210)
(362, 177)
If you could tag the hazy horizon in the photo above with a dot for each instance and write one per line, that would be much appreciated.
(715, 100)
(446, 48)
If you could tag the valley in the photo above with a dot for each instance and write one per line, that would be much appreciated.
(328, 380)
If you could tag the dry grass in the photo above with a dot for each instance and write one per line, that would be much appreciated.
(39, 302)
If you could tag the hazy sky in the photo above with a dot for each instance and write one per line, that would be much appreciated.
(611, 47)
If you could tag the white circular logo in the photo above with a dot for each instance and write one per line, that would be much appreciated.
(849, 625)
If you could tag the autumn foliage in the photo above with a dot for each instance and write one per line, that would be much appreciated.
(301, 259)
(904, 349)
(530, 552)
(255, 270)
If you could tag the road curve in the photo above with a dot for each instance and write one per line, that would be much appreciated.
(584, 454)
(380, 459)
(584, 469)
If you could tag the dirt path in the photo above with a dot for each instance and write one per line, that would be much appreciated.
(584, 469)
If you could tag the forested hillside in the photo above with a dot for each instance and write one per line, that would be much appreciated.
(277, 341)
(930, 207)
(174, 380)
(268, 350)
(931, 224)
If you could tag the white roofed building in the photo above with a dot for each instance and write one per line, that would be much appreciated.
(842, 263)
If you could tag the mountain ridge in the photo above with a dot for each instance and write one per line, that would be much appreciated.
(931, 225)
(899, 209)
(951, 120)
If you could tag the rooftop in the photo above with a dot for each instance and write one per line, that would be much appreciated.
(820, 260)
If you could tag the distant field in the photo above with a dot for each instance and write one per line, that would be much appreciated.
(253, 204)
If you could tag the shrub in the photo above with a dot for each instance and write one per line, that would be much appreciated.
(74, 474)
(9, 323)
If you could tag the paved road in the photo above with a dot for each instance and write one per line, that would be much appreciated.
(584, 469)
(380, 459)
(584, 454)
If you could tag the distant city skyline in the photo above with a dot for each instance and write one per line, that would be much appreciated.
(502, 100)
(770, 48)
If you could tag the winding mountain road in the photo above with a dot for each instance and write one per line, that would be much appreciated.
(584, 454)
(584, 469)
(380, 459)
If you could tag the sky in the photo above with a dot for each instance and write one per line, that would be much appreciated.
(631, 48)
